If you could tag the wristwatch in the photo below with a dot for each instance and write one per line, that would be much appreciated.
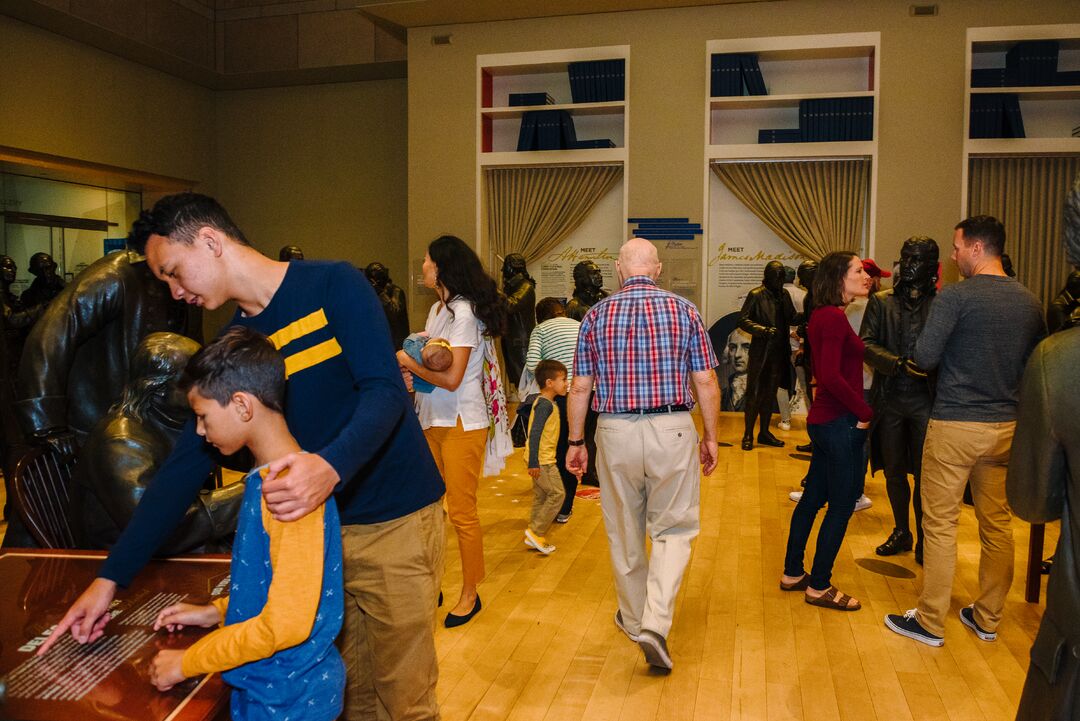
(578, 442)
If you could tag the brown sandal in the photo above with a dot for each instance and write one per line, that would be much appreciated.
(799, 585)
(834, 599)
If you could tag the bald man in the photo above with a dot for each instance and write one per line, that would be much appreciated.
(638, 346)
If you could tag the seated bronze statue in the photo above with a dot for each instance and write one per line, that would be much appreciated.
(123, 450)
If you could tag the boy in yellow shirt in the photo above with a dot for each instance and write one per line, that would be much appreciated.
(543, 437)
(276, 647)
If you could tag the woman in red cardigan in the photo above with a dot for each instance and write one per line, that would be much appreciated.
(837, 425)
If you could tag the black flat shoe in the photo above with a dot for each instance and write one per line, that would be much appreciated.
(768, 439)
(897, 542)
(453, 621)
(918, 552)
(805, 448)
(748, 443)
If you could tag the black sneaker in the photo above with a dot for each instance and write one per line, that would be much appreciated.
(967, 617)
(908, 625)
(655, 648)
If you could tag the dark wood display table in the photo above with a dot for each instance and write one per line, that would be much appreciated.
(108, 679)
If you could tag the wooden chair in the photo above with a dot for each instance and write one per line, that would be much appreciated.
(42, 498)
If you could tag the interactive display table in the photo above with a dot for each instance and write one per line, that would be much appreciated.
(108, 679)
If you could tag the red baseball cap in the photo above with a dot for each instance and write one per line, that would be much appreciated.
(872, 270)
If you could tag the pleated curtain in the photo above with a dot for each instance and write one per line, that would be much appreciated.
(815, 206)
(1028, 196)
(531, 210)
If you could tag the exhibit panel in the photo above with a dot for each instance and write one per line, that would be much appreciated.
(108, 678)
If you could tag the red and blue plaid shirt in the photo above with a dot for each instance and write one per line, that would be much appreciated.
(639, 345)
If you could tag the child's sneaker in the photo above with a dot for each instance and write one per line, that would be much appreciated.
(563, 517)
(540, 544)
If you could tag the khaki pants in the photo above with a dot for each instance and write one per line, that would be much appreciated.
(955, 452)
(459, 454)
(393, 571)
(649, 483)
(548, 495)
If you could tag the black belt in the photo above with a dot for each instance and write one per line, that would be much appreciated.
(671, 408)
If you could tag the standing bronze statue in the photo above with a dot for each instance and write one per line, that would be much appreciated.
(124, 449)
(767, 315)
(76, 359)
(290, 252)
(393, 301)
(588, 289)
(18, 317)
(1064, 310)
(46, 284)
(520, 291)
(902, 393)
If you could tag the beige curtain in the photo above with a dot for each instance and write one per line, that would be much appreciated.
(1028, 196)
(815, 206)
(531, 210)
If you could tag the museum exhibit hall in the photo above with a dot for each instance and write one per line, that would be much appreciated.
(663, 360)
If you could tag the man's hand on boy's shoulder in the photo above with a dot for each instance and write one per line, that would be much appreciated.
(297, 484)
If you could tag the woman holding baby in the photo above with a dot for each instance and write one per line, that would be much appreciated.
(454, 415)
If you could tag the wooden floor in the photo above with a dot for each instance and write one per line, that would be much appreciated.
(544, 646)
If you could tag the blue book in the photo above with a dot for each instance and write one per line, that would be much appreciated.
(527, 132)
(593, 143)
(751, 74)
(521, 99)
(576, 73)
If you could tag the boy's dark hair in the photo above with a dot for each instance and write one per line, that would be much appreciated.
(548, 370)
(829, 279)
(241, 360)
(549, 308)
(984, 228)
(178, 217)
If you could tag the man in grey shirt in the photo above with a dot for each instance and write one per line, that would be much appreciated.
(979, 335)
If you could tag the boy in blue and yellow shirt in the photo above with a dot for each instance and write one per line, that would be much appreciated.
(276, 647)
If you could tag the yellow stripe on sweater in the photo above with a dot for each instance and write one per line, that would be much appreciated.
(299, 329)
(312, 356)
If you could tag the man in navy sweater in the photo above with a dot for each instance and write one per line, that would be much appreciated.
(347, 405)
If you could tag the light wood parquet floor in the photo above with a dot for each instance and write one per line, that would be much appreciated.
(544, 647)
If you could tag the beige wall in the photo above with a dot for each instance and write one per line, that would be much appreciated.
(67, 99)
(921, 102)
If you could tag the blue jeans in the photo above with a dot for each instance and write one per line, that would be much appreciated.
(836, 478)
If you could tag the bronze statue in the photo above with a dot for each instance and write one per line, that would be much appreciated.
(124, 449)
(520, 290)
(290, 252)
(18, 317)
(588, 289)
(393, 301)
(1064, 310)
(76, 359)
(902, 394)
(767, 315)
(46, 284)
(1042, 486)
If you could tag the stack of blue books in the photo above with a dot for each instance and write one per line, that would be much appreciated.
(996, 115)
(518, 100)
(665, 228)
(597, 81)
(734, 73)
(553, 130)
(1030, 63)
(836, 119)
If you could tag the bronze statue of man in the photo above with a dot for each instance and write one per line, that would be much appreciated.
(393, 301)
(902, 394)
(124, 449)
(520, 291)
(1064, 310)
(46, 284)
(290, 252)
(588, 289)
(76, 359)
(767, 315)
